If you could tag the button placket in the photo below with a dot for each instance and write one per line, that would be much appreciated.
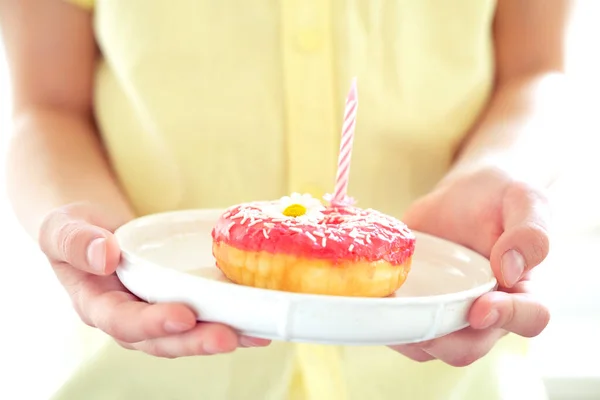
(308, 69)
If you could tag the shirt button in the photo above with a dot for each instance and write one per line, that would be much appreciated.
(309, 40)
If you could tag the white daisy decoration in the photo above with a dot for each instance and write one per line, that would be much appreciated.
(297, 206)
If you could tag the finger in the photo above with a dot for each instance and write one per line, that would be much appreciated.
(122, 316)
(66, 239)
(464, 347)
(519, 313)
(204, 339)
(244, 341)
(247, 341)
(413, 352)
(524, 243)
(125, 345)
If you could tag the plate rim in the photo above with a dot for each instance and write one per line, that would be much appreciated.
(446, 298)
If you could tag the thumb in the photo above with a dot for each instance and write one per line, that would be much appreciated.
(67, 236)
(419, 213)
(524, 242)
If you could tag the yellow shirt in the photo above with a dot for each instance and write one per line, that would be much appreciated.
(209, 103)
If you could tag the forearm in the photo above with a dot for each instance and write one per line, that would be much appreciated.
(523, 131)
(56, 158)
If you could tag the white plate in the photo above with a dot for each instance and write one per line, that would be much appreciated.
(168, 257)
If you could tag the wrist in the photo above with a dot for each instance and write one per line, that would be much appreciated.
(523, 131)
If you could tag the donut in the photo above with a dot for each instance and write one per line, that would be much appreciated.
(295, 244)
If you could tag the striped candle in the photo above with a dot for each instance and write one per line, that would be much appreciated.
(346, 142)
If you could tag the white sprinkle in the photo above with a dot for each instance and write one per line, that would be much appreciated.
(227, 214)
(294, 229)
(256, 221)
(228, 228)
(360, 241)
(351, 247)
(238, 215)
(324, 241)
(265, 234)
(269, 225)
(368, 238)
(319, 234)
(314, 239)
(244, 219)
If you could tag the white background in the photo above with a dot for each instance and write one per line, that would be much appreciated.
(36, 317)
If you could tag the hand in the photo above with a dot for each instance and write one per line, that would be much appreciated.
(505, 221)
(84, 254)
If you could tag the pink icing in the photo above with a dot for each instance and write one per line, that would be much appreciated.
(344, 233)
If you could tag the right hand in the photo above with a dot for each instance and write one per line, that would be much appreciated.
(78, 242)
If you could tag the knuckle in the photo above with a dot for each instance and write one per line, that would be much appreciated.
(66, 239)
(77, 301)
(82, 315)
(520, 191)
(154, 348)
(148, 329)
(533, 231)
(485, 219)
(540, 321)
(507, 314)
(106, 319)
(539, 242)
(542, 240)
(149, 347)
(196, 347)
(59, 229)
(45, 231)
(109, 326)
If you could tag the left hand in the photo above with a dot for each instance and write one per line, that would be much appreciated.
(505, 221)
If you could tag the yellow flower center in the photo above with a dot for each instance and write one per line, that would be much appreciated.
(294, 210)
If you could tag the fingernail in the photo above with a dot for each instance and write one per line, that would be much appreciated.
(96, 254)
(513, 265)
(246, 341)
(176, 327)
(490, 319)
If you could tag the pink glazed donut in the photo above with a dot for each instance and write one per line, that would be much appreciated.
(295, 244)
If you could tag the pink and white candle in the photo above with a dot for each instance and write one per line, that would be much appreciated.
(346, 143)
